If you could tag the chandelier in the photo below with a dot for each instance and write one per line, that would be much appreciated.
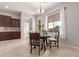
(40, 10)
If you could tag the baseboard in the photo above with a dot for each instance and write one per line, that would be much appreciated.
(73, 46)
(69, 44)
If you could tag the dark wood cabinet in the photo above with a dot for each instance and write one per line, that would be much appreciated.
(7, 21)
(1, 36)
(9, 35)
(14, 35)
(6, 36)
(15, 22)
(18, 22)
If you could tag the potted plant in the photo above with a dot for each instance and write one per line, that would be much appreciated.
(40, 26)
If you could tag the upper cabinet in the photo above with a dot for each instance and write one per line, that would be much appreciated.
(15, 22)
(7, 21)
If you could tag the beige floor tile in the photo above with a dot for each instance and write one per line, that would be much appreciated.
(20, 48)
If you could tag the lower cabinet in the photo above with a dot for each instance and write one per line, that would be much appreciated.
(9, 35)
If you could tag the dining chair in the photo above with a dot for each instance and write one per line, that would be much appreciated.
(54, 41)
(35, 41)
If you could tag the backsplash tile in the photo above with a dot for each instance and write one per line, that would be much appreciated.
(9, 29)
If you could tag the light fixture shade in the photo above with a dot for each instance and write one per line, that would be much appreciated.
(39, 12)
(6, 6)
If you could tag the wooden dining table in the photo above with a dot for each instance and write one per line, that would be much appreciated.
(45, 42)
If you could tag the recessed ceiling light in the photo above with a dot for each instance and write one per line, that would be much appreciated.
(7, 7)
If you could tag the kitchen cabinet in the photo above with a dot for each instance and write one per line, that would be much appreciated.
(9, 35)
(15, 22)
(7, 21)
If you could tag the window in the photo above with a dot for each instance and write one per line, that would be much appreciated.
(57, 23)
(50, 25)
(53, 24)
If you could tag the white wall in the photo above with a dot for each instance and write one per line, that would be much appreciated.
(26, 18)
(71, 21)
(72, 16)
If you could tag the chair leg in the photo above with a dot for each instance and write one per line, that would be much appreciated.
(58, 44)
(50, 44)
(39, 50)
(31, 49)
(55, 44)
(41, 46)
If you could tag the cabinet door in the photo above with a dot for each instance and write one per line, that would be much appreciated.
(7, 36)
(1, 36)
(15, 22)
(19, 35)
(18, 22)
(5, 21)
(2, 20)
(12, 22)
(15, 35)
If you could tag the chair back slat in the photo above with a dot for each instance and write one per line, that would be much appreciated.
(34, 37)
(57, 35)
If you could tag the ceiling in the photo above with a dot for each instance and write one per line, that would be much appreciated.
(28, 7)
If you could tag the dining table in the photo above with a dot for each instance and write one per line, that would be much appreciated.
(45, 41)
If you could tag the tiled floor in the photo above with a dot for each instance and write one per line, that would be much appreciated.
(20, 48)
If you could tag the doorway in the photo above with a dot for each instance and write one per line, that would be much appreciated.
(26, 30)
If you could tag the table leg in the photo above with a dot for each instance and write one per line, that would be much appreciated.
(46, 42)
(44, 45)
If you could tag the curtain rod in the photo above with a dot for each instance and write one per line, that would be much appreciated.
(53, 12)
